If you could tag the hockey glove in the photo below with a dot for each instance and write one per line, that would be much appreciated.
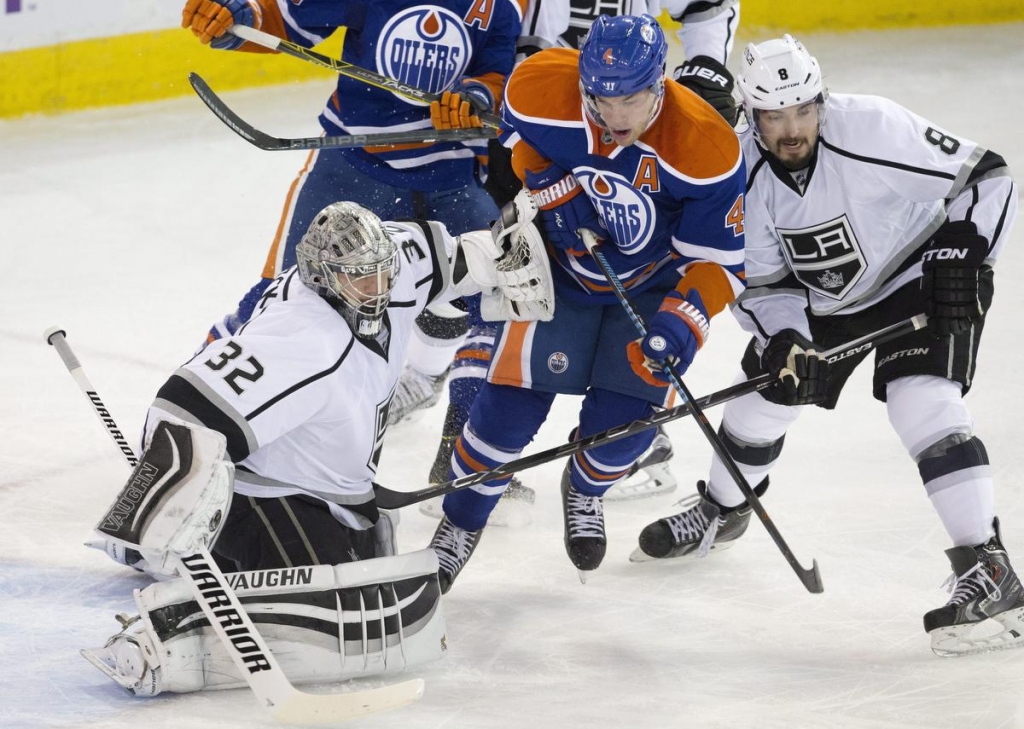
(674, 335)
(711, 81)
(460, 107)
(799, 370)
(564, 208)
(211, 19)
(949, 278)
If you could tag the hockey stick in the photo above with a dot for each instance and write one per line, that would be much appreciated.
(233, 625)
(344, 68)
(391, 499)
(811, 578)
(274, 144)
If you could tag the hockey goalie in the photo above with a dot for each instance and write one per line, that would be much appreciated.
(263, 449)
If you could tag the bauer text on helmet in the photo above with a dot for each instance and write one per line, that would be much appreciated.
(622, 74)
(784, 98)
(348, 258)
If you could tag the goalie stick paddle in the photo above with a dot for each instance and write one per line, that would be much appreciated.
(235, 628)
(391, 499)
(275, 144)
(344, 68)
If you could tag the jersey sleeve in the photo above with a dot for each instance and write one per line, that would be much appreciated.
(708, 28)
(267, 379)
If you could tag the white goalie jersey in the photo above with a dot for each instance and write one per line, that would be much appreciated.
(847, 232)
(304, 403)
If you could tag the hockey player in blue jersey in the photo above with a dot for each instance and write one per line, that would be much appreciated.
(657, 174)
(707, 32)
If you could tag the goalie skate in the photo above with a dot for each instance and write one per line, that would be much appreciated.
(650, 475)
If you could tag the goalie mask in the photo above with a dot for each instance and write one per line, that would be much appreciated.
(348, 258)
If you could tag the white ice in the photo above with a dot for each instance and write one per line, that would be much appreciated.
(135, 228)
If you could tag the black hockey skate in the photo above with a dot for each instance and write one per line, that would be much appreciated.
(702, 527)
(453, 546)
(585, 540)
(986, 609)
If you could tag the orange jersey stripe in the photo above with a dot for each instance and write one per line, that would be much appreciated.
(508, 369)
(270, 267)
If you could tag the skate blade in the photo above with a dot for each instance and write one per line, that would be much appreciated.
(97, 657)
(651, 481)
(640, 555)
(512, 513)
(1004, 631)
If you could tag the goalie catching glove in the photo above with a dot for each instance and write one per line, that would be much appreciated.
(674, 335)
(176, 499)
(799, 371)
(508, 264)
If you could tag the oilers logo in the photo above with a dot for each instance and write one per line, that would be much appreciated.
(627, 213)
(558, 362)
(424, 46)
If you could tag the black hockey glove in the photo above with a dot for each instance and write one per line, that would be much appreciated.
(798, 368)
(711, 81)
(949, 281)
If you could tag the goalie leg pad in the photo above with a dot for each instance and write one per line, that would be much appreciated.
(176, 498)
(323, 624)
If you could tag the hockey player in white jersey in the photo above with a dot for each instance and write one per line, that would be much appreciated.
(860, 214)
(265, 446)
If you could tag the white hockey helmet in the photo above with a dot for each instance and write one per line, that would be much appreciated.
(348, 258)
(776, 74)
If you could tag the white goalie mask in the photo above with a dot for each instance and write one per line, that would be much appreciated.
(348, 258)
(777, 74)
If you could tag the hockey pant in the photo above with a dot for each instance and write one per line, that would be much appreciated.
(504, 420)
(323, 623)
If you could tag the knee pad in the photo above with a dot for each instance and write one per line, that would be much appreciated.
(924, 410)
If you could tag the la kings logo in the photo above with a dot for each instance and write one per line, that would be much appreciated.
(826, 258)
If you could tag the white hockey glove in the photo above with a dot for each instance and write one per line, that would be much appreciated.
(176, 499)
(510, 266)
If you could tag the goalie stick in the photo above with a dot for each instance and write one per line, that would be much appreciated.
(274, 144)
(235, 628)
(391, 499)
(344, 68)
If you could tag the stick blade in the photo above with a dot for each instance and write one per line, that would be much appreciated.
(296, 707)
(812, 578)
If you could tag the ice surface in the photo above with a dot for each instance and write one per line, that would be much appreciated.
(135, 228)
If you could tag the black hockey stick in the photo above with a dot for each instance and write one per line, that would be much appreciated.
(391, 499)
(344, 68)
(275, 144)
(811, 578)
(234, 627)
